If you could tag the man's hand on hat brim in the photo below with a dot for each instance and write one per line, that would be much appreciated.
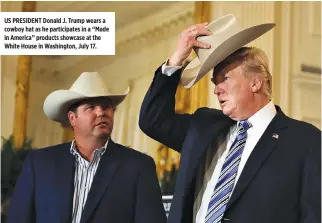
(188, 40)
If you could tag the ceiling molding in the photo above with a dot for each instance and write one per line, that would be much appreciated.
(159, 21)
(63, 6)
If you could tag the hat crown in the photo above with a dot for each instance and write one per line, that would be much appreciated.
(89, 84)
(221, 29)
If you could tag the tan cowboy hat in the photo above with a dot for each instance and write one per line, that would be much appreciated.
(227, 37)
(87, 85)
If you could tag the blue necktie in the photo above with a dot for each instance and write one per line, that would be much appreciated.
(225, 183)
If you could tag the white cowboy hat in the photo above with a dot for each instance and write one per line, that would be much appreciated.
(87, 85)
(227, 37)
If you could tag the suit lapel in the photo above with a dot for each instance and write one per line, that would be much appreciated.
(64, 168)
(104, 175)
(261, 152)
(195, 146)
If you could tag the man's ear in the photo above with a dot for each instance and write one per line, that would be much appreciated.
(256, 82)
(71, 118)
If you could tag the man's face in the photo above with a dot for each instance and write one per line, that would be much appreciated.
(233, 90)
(93, 118)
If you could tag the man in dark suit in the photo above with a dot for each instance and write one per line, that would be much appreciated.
(91, 179)
(246, 163)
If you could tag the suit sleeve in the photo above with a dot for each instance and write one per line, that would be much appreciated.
(311, 183)
(22, 208)
(148, 206)
(157, 116)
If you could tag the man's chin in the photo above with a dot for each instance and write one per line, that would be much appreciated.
(103, 133)
(231, 115)
(226, 111)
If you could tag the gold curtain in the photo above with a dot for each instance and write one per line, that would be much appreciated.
(22, 90)
(187, 101)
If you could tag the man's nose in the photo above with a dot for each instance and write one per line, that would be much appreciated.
(218, 90)
(99, 110)
(102, 111)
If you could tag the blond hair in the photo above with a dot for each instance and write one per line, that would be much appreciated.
(253, 61)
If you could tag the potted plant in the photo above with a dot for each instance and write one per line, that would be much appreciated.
(12, 160)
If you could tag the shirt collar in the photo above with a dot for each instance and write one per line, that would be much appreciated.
(264, 116)
(100, 150)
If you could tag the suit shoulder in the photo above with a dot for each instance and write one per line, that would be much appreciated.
(205, 114)
(50, 150)
(304, 128)
(208, 111)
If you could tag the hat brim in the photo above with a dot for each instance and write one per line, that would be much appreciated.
(57, 103)
(194, 71)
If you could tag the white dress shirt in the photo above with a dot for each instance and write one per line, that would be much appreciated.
(84, 175)
(260, 120)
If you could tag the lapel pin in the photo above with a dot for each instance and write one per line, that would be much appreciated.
(275, 135)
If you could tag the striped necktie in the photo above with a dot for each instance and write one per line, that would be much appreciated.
(225, 183)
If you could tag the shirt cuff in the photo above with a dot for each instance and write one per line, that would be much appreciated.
(169, 70)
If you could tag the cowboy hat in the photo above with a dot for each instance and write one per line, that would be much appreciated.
(87, 85)
(227, 37)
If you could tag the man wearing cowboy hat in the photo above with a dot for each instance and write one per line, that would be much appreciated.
(246, 163)
(91, 179)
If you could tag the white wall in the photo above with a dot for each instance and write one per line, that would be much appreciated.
(305, 97)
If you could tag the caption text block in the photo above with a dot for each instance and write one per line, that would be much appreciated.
(57, 33)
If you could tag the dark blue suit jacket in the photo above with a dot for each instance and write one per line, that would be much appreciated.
(281, 181)
(125, 188)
